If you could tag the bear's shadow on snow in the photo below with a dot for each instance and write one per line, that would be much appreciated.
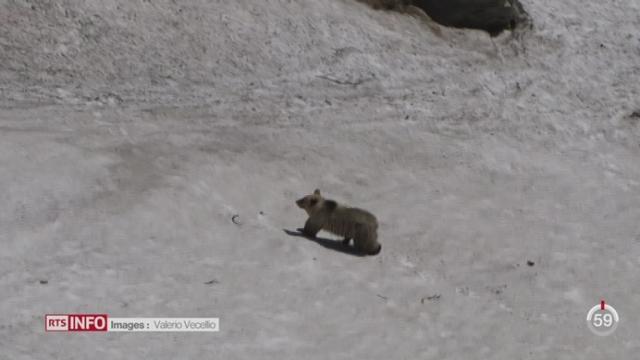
(335, 245)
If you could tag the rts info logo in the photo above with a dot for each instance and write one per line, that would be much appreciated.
(76, 322)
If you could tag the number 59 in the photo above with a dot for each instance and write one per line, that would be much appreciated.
(602, 319)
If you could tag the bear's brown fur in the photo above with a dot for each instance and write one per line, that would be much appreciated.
(349, 222)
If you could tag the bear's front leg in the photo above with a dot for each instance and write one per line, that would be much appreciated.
(311, 228)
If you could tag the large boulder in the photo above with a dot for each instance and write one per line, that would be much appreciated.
(493, 16)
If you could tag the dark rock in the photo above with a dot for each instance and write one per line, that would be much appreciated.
(498, 289)
(434, 297)
(493, 16)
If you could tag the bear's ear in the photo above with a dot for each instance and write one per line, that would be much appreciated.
(317, 192)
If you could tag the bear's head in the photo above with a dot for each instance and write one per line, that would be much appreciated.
(310, 203)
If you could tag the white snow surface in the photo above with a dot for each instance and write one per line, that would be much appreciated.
(132, 131)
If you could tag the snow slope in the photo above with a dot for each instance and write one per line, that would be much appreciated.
(132, 131)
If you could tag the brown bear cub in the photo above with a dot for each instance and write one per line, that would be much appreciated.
(349, 222)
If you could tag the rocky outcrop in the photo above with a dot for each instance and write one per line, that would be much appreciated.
(493, 16)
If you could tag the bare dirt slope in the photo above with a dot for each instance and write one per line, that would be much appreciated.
(132, 131)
